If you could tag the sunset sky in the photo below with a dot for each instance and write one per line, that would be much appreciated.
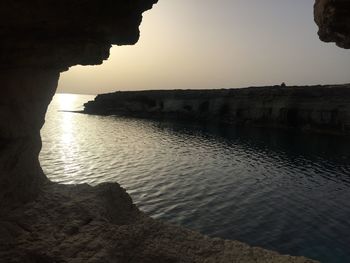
(218, 44)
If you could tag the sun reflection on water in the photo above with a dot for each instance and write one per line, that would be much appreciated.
(66, 103)
(62, 137)
(269, 183)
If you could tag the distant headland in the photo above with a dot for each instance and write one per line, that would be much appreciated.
(322, 109)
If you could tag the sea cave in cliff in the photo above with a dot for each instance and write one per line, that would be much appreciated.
(175, 173)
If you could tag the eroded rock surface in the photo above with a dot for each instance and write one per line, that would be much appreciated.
(322, 109)
(40, 39)
(333, 19)
(25, 95)
(45, 222)
(100, 225)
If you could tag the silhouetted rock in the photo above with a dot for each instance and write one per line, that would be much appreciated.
(40, 39)
(60, 34)
(333, 20)
(25, 95)
(324, 109)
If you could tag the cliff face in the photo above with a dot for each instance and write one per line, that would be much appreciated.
(333, 19)
(25, 95)
(40, 39)
(315, 109)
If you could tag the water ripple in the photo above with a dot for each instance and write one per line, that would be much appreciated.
(278, 190)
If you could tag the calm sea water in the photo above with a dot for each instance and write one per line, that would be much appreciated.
(275, 189)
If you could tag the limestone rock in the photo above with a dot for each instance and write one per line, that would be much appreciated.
(100, 225)
(40, 39)
(25, 95)
(44, 222)
(333, 19)
(322, 109)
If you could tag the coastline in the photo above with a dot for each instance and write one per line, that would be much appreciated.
(46, 222)
(315, 109)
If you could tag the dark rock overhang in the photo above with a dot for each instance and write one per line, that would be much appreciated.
(60, 34)
(40, 39)
(333, 20)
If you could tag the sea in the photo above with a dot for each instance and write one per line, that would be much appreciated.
(276, 189)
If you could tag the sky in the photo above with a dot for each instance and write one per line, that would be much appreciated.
(209, 44)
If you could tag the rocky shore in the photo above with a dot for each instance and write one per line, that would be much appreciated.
(323, 109)
(81, 223)
(45, 222)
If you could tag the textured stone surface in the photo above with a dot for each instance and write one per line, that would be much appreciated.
(60, 34)
(40, 39)
(100, 225)
(324, 109)
(333, 19)
(25, 95)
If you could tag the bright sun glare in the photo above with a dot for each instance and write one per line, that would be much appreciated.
(66, 101)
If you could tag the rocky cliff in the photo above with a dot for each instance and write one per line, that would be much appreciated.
(40, 39)
(333, 20)
(45, 222)
(60, 34)
(323, 109)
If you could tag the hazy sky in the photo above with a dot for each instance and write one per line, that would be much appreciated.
(218, 44)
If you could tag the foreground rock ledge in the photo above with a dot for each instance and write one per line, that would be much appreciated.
(68, 223)
(55, 223)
